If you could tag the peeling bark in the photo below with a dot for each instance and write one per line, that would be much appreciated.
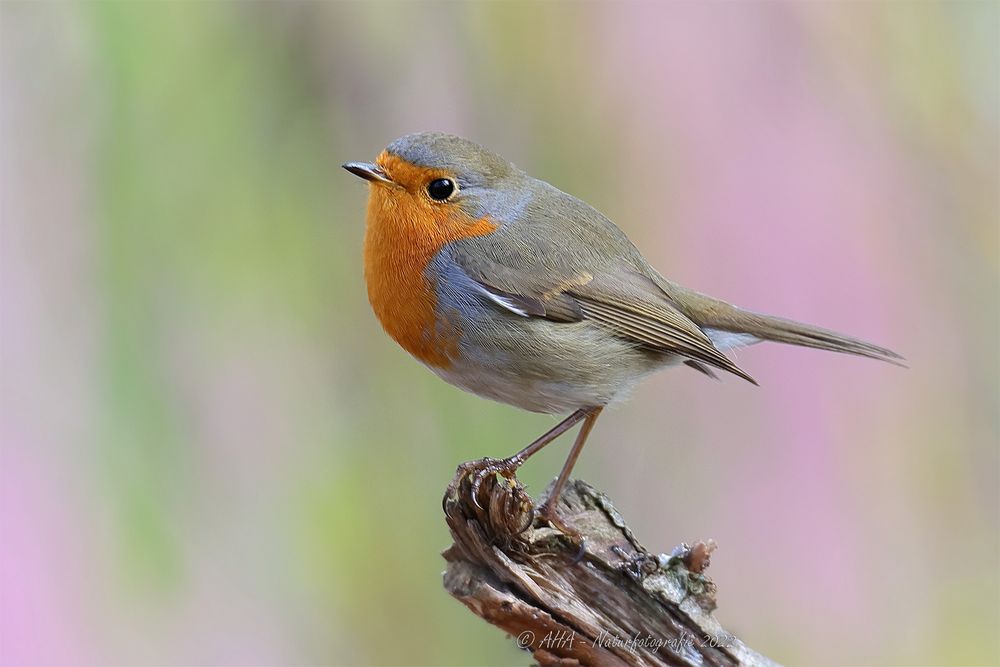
(610, 602)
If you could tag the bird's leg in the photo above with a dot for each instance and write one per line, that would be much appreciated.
(548, 510)
(508, 466)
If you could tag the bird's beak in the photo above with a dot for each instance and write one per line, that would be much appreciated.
(368, 171)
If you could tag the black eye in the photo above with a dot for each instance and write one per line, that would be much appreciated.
(440, 189)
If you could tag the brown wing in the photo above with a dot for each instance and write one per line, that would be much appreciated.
(632, 306)
(626, 302)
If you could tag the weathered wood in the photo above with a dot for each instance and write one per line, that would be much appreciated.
(609, 603)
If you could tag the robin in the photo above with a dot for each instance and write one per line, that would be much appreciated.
(512, 289)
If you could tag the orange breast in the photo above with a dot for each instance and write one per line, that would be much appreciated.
(403, 233)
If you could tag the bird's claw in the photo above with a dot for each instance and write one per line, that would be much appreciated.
(548, 514)
(479, 470)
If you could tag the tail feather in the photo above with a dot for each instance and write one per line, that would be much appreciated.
(781, 330)
(719, 315)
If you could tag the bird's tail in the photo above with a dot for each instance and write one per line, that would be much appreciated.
(719, 316)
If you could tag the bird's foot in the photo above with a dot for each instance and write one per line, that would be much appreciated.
(548, 514)
(482, 468)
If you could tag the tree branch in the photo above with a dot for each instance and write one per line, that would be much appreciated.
(610, 603)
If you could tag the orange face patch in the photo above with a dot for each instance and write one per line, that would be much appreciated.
(405, 228)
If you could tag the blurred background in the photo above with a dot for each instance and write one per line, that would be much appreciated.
(213, 456)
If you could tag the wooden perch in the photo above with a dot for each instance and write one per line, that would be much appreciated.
(609, 603)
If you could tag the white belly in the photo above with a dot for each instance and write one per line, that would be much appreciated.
(538, 393)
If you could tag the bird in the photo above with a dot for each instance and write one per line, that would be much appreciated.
(509, 288)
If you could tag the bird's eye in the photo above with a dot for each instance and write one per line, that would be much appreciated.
(440, 189)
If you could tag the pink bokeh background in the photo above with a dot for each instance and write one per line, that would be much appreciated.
(212, 456)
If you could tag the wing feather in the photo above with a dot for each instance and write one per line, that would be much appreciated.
(663, 330)
(566, 262)
(626, 303)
